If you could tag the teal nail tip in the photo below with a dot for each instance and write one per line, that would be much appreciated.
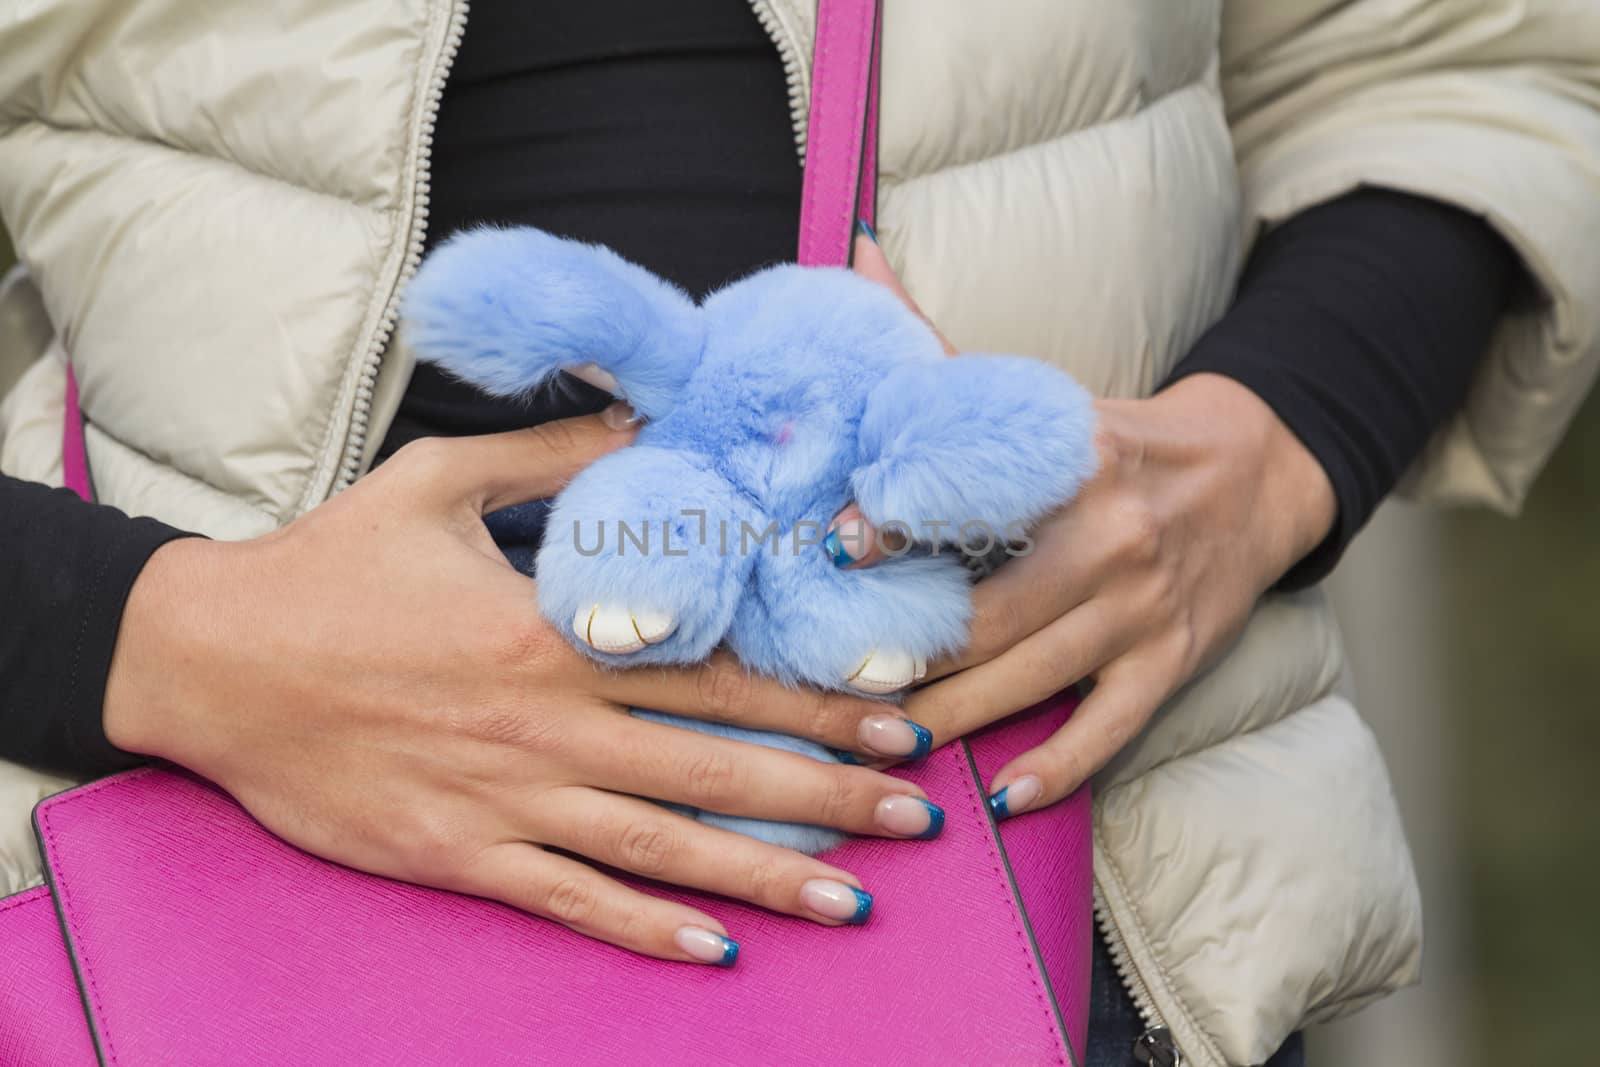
(863, 907)
(833, 545)
(848, 757)
(935, 821)
(867, 231)
(924, 740)
(998, 805)
(730, 952)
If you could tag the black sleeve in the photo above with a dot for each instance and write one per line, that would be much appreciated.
(1360, 322)
(65, 570)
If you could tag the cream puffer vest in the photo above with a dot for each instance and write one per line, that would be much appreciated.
(218, 201)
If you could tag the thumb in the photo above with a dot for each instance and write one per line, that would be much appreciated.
(494, 471)
(867, 259)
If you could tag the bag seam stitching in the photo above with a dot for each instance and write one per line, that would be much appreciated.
(1016, 926)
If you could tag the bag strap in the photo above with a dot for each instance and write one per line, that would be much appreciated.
(840, 182)
(74, 457)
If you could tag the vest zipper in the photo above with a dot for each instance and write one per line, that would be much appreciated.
(1155, 1045)
(793, 70)
(356, 438)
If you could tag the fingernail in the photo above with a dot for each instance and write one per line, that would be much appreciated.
(890, 735)
(835, 900)
(865, 229)
(707, 946)
(847, 542)
(908, 816)
(591, 373)
(848, 757)
(620, 415)
(1015, 798)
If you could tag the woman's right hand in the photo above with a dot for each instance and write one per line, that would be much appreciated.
(375, 684)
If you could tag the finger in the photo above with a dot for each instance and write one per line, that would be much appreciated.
(493, 471)
(869, 261)
(1031, 592)
(1124, 698)
(685, 766)
(581, 898)
(642, 838)
(1066, 651)
(722, 690)
(853, 542)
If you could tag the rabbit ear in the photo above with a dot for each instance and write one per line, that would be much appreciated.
(506, 309)
(995, 440)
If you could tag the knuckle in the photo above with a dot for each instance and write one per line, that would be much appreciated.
(557, 438)
(497, 726)
(424, 458)
(516, 727)
(1138, 530)
(710, 779)
(723, 690)
(765, 884)
(828, 719)
(647, 848)
(1075, 767)
(836, 803)
(1161, 593)
(996, 625)
(519, 641)
(430, 842)
(1115, 732)
(1184, 646)
(572, 901)
(633, 927)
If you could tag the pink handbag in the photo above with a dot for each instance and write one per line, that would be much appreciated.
(174, 929)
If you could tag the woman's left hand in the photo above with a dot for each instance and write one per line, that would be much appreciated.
(1202, 500)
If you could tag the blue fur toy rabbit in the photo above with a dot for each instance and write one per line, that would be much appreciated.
(769, 406)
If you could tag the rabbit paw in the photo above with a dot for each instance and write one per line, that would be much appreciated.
(618, 630)
(887, 671)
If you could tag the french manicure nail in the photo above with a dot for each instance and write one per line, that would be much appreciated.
(889, 735)
(848, 757)
(835, 900)
(707, 946)
(1015, 798)
(908, 816)
(833, 545)
(620, 415)
(866, 230)
(594, 375)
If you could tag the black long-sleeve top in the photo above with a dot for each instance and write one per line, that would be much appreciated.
(662, 130)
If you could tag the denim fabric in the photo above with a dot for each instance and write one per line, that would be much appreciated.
(1114, 1022)
(518, 531)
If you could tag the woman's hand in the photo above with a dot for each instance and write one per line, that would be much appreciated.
(375, 684)
(1202, 500)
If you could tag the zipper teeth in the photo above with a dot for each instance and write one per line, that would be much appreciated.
(360, 418)
(1138, 992)
(792, 68)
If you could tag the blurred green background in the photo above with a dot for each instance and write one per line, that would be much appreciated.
(1524, 672)
(1474, 644)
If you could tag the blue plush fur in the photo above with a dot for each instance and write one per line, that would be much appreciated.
(770, 406)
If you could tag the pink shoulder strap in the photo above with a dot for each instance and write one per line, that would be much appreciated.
(840, 183)
(74, 458)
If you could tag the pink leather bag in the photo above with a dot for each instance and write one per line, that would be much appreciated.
(175, 929)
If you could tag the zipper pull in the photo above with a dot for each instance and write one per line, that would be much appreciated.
(1155, 1047)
